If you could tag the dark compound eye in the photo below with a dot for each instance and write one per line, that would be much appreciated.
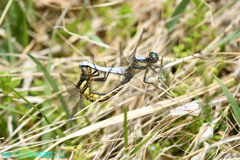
(153, 56)
(85, 70)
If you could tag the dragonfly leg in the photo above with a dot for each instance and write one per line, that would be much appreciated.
(104, 78)
(94, 74)
(154, 68)
(144, 79)
(96, 71)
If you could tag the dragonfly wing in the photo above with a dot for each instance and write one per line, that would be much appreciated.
(73, 97)
(124, 62)
(75, 108)
(132, 56)
(68, 84)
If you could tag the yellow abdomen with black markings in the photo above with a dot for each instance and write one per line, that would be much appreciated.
(102, 96)
(85, 89)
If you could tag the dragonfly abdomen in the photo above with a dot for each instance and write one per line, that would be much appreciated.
(102, 96)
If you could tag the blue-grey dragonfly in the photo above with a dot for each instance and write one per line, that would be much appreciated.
(134, 65)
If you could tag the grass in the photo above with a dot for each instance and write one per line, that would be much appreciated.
(196, 108)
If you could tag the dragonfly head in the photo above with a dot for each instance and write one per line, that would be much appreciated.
(86, 71)
(153, 57)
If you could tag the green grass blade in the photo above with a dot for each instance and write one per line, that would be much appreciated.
(52, 82)
(222, 41)
(16, 111)
(9, 36)
(47, 91)
(125, 130)
(28, 102)
(224, 8)
(19, 23)
(25, 37)
(71, 27)
(58, 131)
(235, 36)
(231, 100)
(141, 144)
(48, 102)
(83, 113)
(94, 148)
(177, 14)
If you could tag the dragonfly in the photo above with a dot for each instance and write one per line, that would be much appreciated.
(77, 92)
(134, 65)
(83, 88)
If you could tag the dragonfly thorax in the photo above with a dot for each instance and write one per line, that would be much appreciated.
(153, 57)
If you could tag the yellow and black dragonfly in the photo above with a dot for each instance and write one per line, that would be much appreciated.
(83, 87)
(76, 92)
(134, 65)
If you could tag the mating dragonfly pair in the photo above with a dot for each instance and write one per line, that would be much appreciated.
(133, 65)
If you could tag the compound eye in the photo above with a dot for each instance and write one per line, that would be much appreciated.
(84, 70)
(150, 54)
(153, 56)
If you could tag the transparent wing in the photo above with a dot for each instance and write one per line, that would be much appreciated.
(68, 84)
(124, 62)
(75, 108)
(73, 98)
(132, 56)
